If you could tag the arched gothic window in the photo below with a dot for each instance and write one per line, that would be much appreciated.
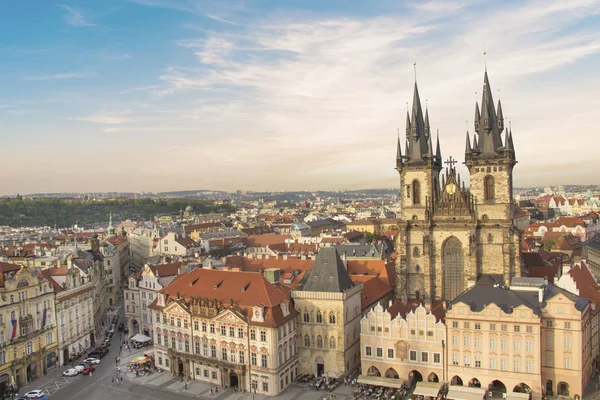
(332, 343)
(319, 317)
(319, 342)
(489, 187)
(306, 341)
(416, 192)
(416, 252)
(452, 264)
(306, 317)
(331, 318)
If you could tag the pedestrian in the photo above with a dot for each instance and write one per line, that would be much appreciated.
(90, 374)
(186, 386)
(210, 391)
(121, 379)
(113, 379)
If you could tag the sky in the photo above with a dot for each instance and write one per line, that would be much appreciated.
(162, 95)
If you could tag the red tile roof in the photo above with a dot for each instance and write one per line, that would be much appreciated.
(585, 282)
(402, 309)
(264, 240)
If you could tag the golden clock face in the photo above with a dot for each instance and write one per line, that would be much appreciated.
(451, 188)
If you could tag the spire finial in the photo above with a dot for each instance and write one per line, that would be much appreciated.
(485, 58)
(398, 133)
(415, 69)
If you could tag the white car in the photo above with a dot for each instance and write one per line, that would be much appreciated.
(34, 394)
(92, 360)
(71, 372)
(79, 368)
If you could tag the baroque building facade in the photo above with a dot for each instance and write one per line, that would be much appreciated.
(452, 235)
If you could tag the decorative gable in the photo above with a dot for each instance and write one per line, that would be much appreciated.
(285, 308)
(258, 313)
(161, 299)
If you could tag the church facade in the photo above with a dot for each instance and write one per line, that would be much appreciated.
(451, 235)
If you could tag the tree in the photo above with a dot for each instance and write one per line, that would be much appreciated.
(369, 237)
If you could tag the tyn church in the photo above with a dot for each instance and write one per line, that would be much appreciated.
(452, 235)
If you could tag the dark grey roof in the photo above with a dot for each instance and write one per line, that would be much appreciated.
(552, 290)
(319, 222)
(360, 250)
(328, 273)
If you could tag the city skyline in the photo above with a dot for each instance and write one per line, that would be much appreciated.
(153, 95)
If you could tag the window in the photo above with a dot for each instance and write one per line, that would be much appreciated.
(241, 354)
(548, 324)
(477, 361)
(493, 363)
(529, 346)
(265, 386)
(173, 342)
(413, 355)
(424, 357)
(529, 367)
(263, 361)
(416, 251)
(158, 339)
(240, 333)
(197, 347)
(477, 327)
(28, 347)
(172, 321)
(567, 325)
(331, 318)
(477, 342)
(416, 192)
(504, 328)
(203, 326)
(455, 340)
(517, 345)
(549, 341)
(492, 327)
(567, 342)
(489, 187)
(504, 344)
(466, 325)
(390, 353)
(368, 351)
(214, 375)
(455, 324)
(263, 336)
(166, 362)
(187, 346)
(231, 331)
(437, 357)
(223, 330)
(320, 342)
(549, 360)
(306, 317)
(454, 359)
(517, 328)
(213, 351)
(307, 342)
(212, 328)
(164, 319)
(252, 334)
(224, 354)
(567, 362)
(492, 343)
(196, 325)
(517, 365)
(319, 317)
(529, 329)
(205, 350)
(49, 338)
(467, 361)
(332, 344)
(379, 352)
(467, 341)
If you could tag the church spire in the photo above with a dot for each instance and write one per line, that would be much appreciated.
(438, 151)
(468, 145)
(500, 118)
(399, 154)
(487, 125)
(416, 133)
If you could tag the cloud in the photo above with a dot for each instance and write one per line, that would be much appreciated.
(219, 19)
(69, 75)
(75, 18)
(118, 117)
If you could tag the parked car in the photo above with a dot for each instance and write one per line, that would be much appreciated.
(88, 370)
(34, 394)
(71, 372)
(80, 367)
(92, 360)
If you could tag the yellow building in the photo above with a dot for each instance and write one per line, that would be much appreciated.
(28, 339)
(532, 337)
(404, 342)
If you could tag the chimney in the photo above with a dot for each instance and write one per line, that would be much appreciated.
(285, 256)
(541, 294)
(390, 303)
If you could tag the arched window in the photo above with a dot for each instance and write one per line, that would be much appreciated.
(319, 342)
(452, 263)
(490, 238)
(332, 343)
(416, 252)
(319, 317)
(306, 317)
(489, 187)
(331, 318)
(306, 341)
(416, 192)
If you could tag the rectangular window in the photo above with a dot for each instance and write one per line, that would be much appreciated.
(492, 343)
(212, 328)
(172, 321)
(529, 367)
(455, 324)
(467, 341)
(467, 361)
(164, 319)
(206, 373)
(567, 325)
(504, 328)
(517, 365)
(187, 346)
(263, 361)
(205, 350)
(379, 352)
(492, 327)
(549, 324)
(241, 354)
(197, 347)
(549, 360)
(232, 354)
(196, 325)
(437, 357)
(504, 344)
(567, 362)
(517, 346)
(467, 325)
(223, 330)
(240, 333)
(224, 354)
(213, 351)
(477, 327)
(549, 341)
(390, 353)
(529, 329)
(158, 339)
(424, 357)
(252, 334)
(253, 359)
(455, 340)
(567, 342)
(263, 336)
(214, 375)
(368, 351)
(413, 355)
(517, 328)
(454, 359)
(265, 386)
(477, 361)
(493, 363)
(203, 326)
(529, 346)
(173, 342)
(185, 324)
(231, 331)
(477, 342)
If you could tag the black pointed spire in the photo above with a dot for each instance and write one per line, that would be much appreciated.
(430, 147)
(468, 145)
(477, 117)
(438, 151)
(399, 154)
(416, 133)
(407, 126)
(511, 145)
(427, 133)
(506, 138)
(488, 126)
(500, 117)
(475, 144)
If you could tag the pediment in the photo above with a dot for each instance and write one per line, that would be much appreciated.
(176, 309)
(230, 316)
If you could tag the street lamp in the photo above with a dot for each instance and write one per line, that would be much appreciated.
(443, 361)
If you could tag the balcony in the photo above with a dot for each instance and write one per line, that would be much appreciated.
(25, 319)
(206, 360)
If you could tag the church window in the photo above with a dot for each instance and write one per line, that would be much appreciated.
(306, 341)
(416, 192)
(495, 169)
(489, 188)
(417, 268)
(319, 342)
(416, 252)
(332, 343)
(306, 317)
(319, 317)
(452, 264)
(490, 238)
(331, 318)
(489, 169)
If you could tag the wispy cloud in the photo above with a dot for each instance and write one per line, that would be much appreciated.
(219, 19)
(104, 117)
(74, 17)
(68, 75)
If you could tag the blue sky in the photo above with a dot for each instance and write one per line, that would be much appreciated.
(156, 95)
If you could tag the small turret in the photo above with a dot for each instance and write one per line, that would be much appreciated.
(438, 151)
(468, 145)
(427, 132)
(399, 155)
(500, 117)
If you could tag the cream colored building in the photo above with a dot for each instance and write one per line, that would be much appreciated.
(329, 304)
(404, 342)
(231, 329)
(141, 245)
(531, 337)
(116, 263)
(28, 342)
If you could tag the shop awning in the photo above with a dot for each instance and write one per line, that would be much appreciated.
(517, 396)
(380, 381)
(430, 389)
(465, 393)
